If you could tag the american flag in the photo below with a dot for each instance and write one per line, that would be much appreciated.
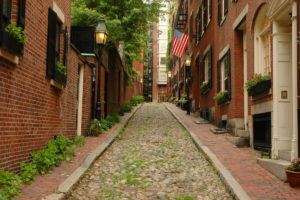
(179, 42)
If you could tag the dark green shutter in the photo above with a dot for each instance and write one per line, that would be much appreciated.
(210, 9)
(219, 12)
(229, 73)
(225, 7)
(205, 13)
(51, 44)
(210, 68)
(218, 76)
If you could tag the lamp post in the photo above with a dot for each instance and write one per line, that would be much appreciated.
(101, 37)
(187, 65)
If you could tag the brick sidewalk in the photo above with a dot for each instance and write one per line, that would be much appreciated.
(45, 185)
(241, 162)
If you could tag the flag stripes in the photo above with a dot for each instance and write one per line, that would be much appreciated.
(179, 42)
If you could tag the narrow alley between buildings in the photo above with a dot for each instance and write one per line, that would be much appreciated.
(154, 158)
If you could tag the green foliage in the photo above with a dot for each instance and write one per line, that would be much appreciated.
(28, 172)
(105, 124)
(116, 117)
(9, 185)
(204, 86)
(221, 96)
(170, 30)
(136, 100)
(61, 68)
(95, 128)
(79, 141)
(126, 107)
(126, 21)
(16, 32)
(183, 99)
(295, 165)
(255, 80)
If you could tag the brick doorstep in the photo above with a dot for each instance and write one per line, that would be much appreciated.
(45, 186)
(240, 163)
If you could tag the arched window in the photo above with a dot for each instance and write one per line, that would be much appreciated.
(262, 47)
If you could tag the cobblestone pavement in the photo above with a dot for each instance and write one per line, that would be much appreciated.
(153, 159)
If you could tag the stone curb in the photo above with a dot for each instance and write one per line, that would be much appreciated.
(65, 187)
(235, 188)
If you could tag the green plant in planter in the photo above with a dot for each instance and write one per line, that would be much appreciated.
(257, 78)
(204, 86)
(295, 165)
(79, 141)
(61, 68)
(95, 128)
(17, 32)
(221, 96)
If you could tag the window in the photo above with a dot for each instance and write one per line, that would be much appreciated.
(224, 74)
(8, 42)
(204, 16)
(56, 47)
(163, 60)
(222, 10)
(206, 69)
(262, 43)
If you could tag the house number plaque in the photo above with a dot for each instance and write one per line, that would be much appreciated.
(284, 94)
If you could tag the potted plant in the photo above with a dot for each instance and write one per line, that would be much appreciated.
(222, 97)
(293, 173)
(204, 87)
(258, 84)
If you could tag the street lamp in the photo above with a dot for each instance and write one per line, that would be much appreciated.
(101, 37)
(188, 61)
(169, 74)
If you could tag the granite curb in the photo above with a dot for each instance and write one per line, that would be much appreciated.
(65, 187)
(231, 183)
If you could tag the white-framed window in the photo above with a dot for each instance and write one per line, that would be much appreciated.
(262, 40)
(206, 67)
(224, 73)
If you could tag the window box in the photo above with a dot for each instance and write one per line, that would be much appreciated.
(222, 97)
(11, 44)
(260, 88)
(205, 88)
(258, 85)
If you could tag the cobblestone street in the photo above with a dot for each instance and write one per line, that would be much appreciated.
(154, 158)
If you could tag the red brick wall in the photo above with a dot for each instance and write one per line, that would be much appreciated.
(32, 111)
(218, 37)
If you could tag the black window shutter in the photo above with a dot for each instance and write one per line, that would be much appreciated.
(1, 20)
(225, 7)
(205, 13)
(197, 28)
(66, 42)
(202, 71)
(210, 9)
(51, 44)
(219, 12)
(200, 23)
(21, 13)
(229, 73)
(218, 76)
(210, 68)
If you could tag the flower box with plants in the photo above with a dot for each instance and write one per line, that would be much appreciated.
(293, 173)
(258, 85)
(222, 97)
(204, 87)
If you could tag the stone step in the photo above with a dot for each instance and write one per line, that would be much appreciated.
(242, 133)
(238, 141)
(284, 155)
(276, 167)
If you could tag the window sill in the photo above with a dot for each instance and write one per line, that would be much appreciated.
(9, 56)
(56, 84)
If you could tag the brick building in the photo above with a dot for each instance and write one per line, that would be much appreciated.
(231, 43)
(37, 100)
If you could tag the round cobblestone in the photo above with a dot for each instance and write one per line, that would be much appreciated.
(154, 158)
